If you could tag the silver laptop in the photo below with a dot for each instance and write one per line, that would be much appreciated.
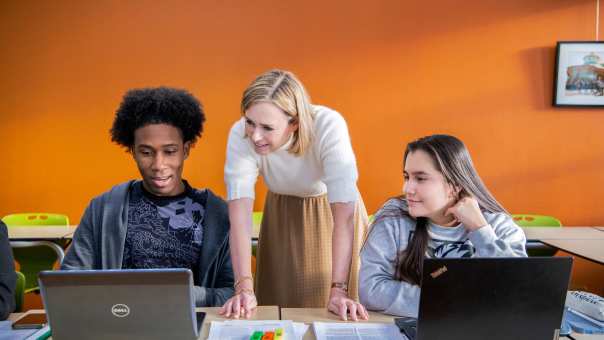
(120, 304)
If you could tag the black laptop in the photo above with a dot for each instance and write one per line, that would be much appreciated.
(491, 298)
(120, 304)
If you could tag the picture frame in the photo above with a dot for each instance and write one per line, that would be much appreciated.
(579, 74)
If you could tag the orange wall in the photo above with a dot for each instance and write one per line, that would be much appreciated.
(397, 70)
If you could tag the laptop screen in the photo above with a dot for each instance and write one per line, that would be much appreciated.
(120, 304)
(493, 298)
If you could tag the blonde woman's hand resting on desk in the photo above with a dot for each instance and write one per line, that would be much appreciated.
(340, 304)
(242, 304)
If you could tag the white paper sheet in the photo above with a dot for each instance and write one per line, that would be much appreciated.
(356, 331)
(243, 329)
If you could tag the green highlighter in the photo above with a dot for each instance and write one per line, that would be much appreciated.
(257, 335)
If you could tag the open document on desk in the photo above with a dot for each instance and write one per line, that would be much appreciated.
(244, 329)
(356, 331)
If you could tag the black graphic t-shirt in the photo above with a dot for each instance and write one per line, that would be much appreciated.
(163, 232)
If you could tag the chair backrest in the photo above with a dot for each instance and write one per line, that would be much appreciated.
(35, 219)
(256, 222)
(527, 220)
(19, 292)
(35, 256)
(257, 218)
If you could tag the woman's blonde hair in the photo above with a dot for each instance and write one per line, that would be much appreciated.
(285, 91)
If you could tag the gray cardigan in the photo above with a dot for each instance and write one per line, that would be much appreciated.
(98, 243)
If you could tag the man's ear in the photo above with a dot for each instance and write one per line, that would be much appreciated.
(187, 147)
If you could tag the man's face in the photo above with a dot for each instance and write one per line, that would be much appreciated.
(160, 153)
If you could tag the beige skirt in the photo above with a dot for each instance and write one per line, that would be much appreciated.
(294, 251)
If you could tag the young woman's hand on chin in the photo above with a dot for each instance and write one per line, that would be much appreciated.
(467, 211)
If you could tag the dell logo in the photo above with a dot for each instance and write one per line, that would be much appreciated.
(120, 310)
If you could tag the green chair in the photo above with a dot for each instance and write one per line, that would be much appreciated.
(256, 223)
(525, 220)
(35, 256)
(19, 292)
(35, 219)
(537, 248)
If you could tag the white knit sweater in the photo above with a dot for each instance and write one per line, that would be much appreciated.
(328, 165)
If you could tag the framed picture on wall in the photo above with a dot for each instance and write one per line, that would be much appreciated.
(579, 74)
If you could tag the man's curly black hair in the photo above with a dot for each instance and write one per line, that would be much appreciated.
(160, 105)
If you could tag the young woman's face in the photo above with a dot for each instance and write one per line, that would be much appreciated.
(160, 153)
(268, 127)
(427, 192)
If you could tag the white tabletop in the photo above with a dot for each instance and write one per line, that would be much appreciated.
(37, 233)
(562, 233)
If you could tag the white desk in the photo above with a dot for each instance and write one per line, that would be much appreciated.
(306, 315)
(58, 237)
(562, 233)
(585, 242)
(53, 233)
(40, 233)
(592, 250)
(262, 313)
(310, 315)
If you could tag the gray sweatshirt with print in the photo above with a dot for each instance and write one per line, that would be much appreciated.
(380, 291)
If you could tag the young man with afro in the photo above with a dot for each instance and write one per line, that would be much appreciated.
(159, 221)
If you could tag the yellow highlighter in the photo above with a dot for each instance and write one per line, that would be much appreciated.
(279, 334)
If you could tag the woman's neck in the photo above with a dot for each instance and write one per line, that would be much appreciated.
(444, 220)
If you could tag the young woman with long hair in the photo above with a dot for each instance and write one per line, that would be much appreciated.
(445, 211)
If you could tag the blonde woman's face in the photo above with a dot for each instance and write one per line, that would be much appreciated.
(268, 127)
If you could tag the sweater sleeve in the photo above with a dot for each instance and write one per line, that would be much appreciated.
(378, 289)
(82, 253)
(241, 167)
(500, 238)
(8, 278)
(337, 158)
(223, 289)
(215, 279)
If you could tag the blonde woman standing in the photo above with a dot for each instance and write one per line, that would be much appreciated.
(314, 219)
